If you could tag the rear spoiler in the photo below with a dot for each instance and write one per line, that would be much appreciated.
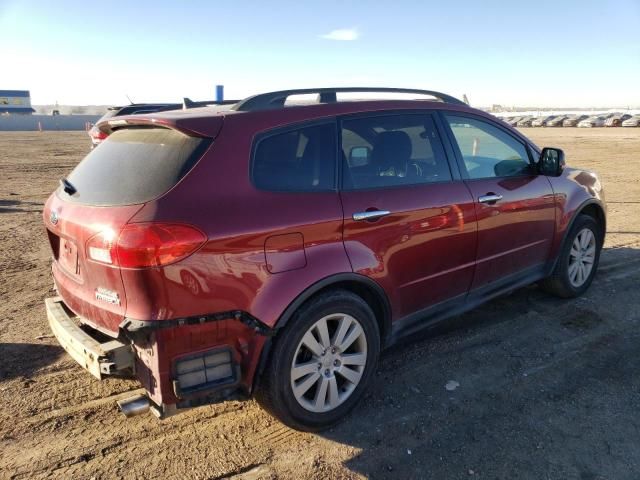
(201, 126)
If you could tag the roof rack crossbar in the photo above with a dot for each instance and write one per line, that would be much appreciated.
(265, 101)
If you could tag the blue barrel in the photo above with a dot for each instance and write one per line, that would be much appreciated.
(219, 93)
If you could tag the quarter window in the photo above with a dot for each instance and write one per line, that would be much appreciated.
(297, 160)
(488, 151)
(392, 150)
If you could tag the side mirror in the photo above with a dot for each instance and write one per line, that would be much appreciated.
(359, 156)
(551, 162)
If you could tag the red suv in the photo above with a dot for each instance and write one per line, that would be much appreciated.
(276, 248)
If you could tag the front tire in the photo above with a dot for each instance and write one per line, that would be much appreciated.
(322, 362)
(578, 260)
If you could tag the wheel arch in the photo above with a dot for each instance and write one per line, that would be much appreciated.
(366, 288)
(593, 208)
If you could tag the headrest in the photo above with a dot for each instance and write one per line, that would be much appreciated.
(391, 149)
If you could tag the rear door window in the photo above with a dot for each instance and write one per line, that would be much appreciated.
(300, 159)
(134, 165)
(392, 150)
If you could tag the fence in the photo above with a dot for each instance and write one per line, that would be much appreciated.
(46, 122)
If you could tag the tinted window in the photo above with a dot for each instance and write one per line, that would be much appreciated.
(296, 160)
(134, 165)
(385, 151)
(487, 150)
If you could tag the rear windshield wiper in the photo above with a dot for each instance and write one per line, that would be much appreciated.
(67, 186)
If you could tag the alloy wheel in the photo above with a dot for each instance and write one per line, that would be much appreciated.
(582, 257)
(328, 363)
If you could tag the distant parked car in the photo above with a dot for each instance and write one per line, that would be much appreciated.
(632, 122)
(573, 120)
(593, 121)
(556, 121)
(616, 119)
(525, 121)
(97, 136)
(541, 121)
(512, 121)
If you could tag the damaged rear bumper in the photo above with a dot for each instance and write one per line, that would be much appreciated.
(180, 363)
(112, 357)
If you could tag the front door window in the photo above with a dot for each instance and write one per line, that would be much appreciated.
(488, 151)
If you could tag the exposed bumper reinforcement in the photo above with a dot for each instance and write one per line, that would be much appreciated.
(133, 326)
(100, 359)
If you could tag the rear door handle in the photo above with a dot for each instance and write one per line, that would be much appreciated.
(489, 198)
(370, 215)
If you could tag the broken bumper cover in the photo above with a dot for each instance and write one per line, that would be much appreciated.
(180, 363)
(100, 359)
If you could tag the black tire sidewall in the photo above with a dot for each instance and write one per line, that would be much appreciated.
(291, 412)
(581, 223)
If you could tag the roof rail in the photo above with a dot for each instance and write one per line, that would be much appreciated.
(265, 101)
(188, 103)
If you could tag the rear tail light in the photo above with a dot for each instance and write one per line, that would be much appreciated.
(97, 134)
(155, 244)
(142, 245)
(101, 247)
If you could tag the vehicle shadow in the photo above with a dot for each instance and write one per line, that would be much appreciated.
(526, 386)
(24, 359)
(15, 206)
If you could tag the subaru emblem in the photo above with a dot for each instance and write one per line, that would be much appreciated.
(54, 217)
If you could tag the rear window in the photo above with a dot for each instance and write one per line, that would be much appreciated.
(134, 165)
(299, 160)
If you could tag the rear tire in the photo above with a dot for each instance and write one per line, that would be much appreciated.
(322, 362)
(578, 260)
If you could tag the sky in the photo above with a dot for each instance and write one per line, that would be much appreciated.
(558, 53)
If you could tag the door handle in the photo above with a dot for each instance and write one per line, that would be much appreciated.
(370, 215)
(489, 198)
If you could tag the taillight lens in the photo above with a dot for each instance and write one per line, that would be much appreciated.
(154, 244)
(142, 245)
(100, 247)
(97, 134)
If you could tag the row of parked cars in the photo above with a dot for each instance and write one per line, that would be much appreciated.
(583, 121)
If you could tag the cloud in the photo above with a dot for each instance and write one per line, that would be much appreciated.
(342, 34)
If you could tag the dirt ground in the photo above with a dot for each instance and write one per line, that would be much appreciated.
(548, 389)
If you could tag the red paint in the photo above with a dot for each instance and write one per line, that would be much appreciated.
(405, 251)
(516, 232)
(264, 249)
(284, 252)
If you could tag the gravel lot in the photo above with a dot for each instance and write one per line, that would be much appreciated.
(545, 388)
